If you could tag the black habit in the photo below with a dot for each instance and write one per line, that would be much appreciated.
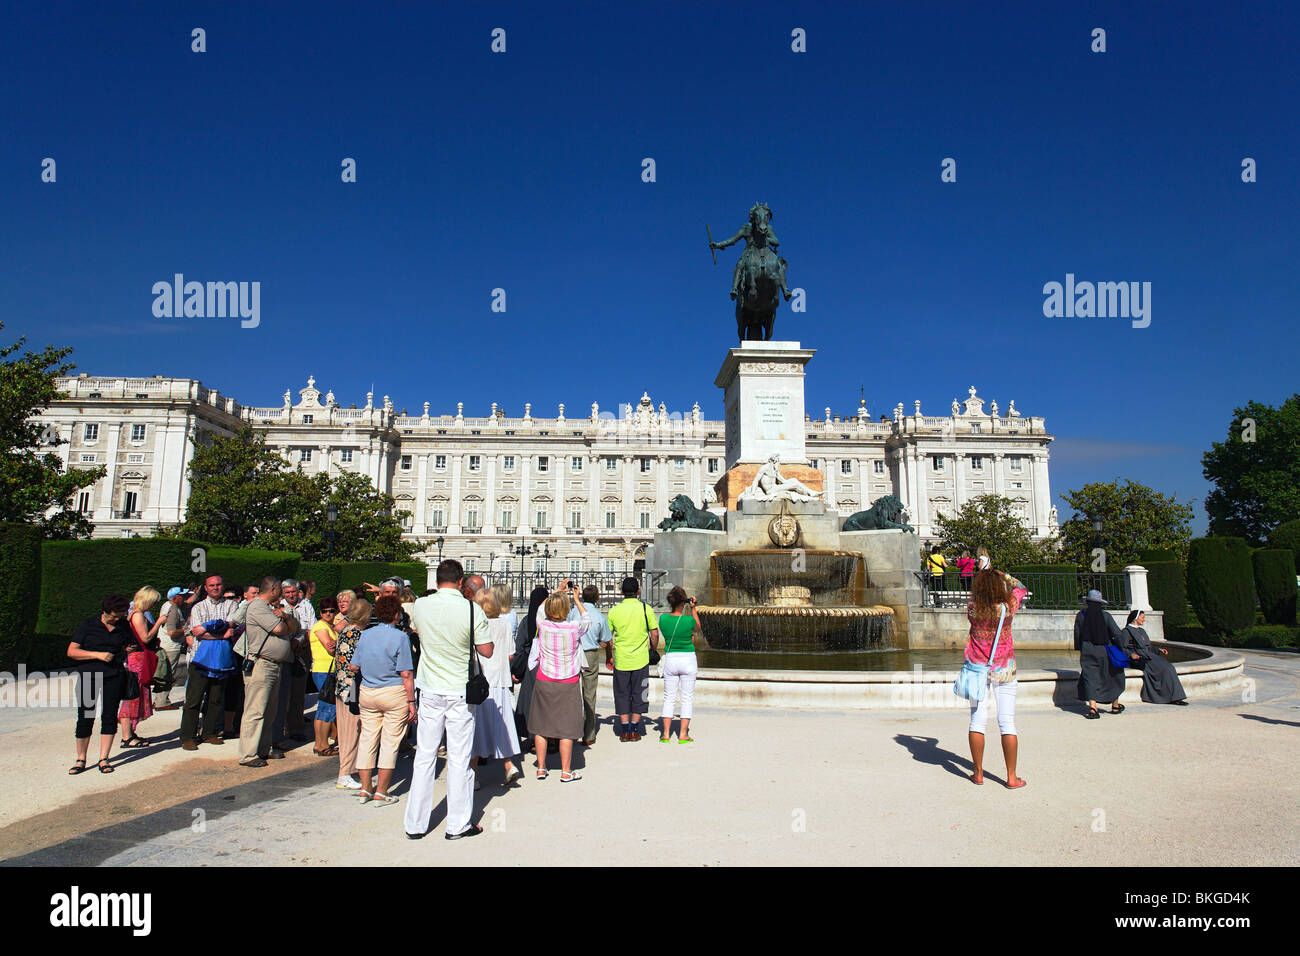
(1099, 679)
(1160, 683)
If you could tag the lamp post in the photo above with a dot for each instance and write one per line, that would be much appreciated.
(331, 516)
(440, 542)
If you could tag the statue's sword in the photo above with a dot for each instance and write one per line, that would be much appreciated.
(711, 250)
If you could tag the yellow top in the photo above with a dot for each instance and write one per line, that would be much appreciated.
(937, 564)
(321, 659)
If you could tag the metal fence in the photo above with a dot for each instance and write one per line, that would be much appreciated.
(1048, 590)
(609, 583)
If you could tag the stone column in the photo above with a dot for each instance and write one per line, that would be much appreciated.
(187, 455)
(453, 519)
(697, 484)
(559, 519)
(1042, 492)
(998, 483)
(661, 487)
(325, 451)
(959, 478)
(525, 522)
(864, 487)
(1138, 596)
(421, 497)
(593, 501)
(490, 519)
(625, 511)
(832, 478)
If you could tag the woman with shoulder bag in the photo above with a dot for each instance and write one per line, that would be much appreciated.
(677, 629)
(347, 712)
(141, 661)
(995, 598)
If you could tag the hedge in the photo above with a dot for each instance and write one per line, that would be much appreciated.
(1275, 584)
(1167, 588)
(355, 572)
(1287, 535)
(1265, 636)
(77, 575)
(1152, 555)
(1220, 584)
(20, 570)
(326, 575)
(243, 566)
(1195, 634)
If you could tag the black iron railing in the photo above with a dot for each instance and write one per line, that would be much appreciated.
(1048, 590)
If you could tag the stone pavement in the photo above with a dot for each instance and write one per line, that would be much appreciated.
(1210, 784)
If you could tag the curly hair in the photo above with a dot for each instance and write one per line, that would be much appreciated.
(989, 589)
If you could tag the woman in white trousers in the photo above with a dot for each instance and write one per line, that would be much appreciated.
(677, 630)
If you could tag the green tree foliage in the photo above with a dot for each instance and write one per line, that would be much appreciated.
(1135, 519)
(1275, 584)
(1220, 584)
(1287, 535)
(32, 479)
(991, 522)
(1256, 472)
(20, 570)
(244, 494)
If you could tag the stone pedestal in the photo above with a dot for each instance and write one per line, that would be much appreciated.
(683, 554)
(762, 385)
(893, 561)
(818, 528)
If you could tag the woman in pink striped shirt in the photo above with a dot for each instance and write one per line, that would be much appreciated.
(556, 708)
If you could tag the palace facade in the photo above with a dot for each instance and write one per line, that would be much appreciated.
(587, 491)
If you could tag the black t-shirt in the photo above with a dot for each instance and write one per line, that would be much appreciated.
(92, 635)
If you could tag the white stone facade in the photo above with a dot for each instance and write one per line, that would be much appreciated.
(591, 489)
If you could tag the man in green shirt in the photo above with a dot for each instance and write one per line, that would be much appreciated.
(634, 627)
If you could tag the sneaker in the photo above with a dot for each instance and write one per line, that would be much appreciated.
(347, 783)
(469, 831)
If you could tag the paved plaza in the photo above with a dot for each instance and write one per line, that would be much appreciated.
(1213, 784)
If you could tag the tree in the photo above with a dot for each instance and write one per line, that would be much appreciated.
(1256, 472)
(34, 488)
(991, 521)
(1134, 518)
(244, 494)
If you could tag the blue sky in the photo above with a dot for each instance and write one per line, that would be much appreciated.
(522, 171)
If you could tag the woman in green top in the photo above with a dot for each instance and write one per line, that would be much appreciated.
(677, 630)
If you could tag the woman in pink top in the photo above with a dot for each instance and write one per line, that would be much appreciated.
(991, 592)
(556, 707)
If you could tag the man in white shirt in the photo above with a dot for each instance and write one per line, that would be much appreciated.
(293, 690)
(443, 622)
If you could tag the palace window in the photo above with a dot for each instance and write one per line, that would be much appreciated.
(645, 519)
(508, 463)
(645, 465)
(130, 502)
(308, 419)
(976, 428)
(611, 519)
(1017, 463)
(471, 517)
(575, 566)
(475, 462)
(345, 456)
(543, 519)
(407, 521)
(679, 464)
(435, 516)
(83, 502)
(938, 462)
(575, 463)
(137, 433)
(575, 519)
(90, 433)
(135, 459)
(611, 464)
(440, 462)
(406, 463)
(87, 457)
(813, 462)
(846, 466)
(543, 463)
(977, 462)
(507, 519)
(878, 467)
(713, 466)
(304, 454)
(610, 565)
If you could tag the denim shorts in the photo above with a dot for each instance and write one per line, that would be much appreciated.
(324, 712)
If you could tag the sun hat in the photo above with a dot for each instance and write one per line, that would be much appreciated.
(1095, 597)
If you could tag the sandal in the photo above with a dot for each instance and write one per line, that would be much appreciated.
(105, 766)
(542, 774)
(384, 799)
(327, 752)
(570, 777)
(76, 768)
(1117, 709)
(665, 740)
(686, 740)
(365, 796)
(135, 743)
(1092, 714)
(1016, 786)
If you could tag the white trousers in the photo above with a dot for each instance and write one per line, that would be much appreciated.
(1006, 695)
(452, 714)
(679, 669)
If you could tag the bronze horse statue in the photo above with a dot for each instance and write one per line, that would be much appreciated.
(758, 277)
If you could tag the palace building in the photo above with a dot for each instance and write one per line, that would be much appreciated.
(587, 491)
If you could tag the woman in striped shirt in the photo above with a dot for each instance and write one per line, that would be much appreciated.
(556, 706)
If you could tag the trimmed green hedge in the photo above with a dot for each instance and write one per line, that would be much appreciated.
(1265, 636)
(243, 566)
(77, 575)
(355, 572)
(20, 570)
(1156, 554)
(1287, 535)
(1220, 584)
(1195, 634)
(1167, 588)
(326, 576)
(1275, 584)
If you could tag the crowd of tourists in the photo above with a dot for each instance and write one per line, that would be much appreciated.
(473, 680)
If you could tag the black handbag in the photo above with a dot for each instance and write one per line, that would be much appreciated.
(131, 687)
(329, 686)
(476, 688)
(654, 651)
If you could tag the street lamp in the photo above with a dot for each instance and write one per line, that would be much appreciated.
(441, 540)
(331, 516)
(1096, 531)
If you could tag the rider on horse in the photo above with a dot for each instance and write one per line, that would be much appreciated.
(758, 236)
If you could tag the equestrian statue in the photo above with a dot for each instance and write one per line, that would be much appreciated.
(759, 275)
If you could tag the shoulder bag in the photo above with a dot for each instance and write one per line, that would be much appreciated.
(476, 688)
(329, 686)
(972, 682)
(654, 651)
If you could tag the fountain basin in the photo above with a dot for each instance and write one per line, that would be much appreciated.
(796, 629)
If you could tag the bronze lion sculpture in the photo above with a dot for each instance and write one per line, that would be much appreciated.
(885, 513)
(682, 513)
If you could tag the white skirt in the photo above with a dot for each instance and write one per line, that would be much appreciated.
(494, 726)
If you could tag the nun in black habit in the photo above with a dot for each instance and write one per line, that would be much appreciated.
(1099, 679)
(1160, 683)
